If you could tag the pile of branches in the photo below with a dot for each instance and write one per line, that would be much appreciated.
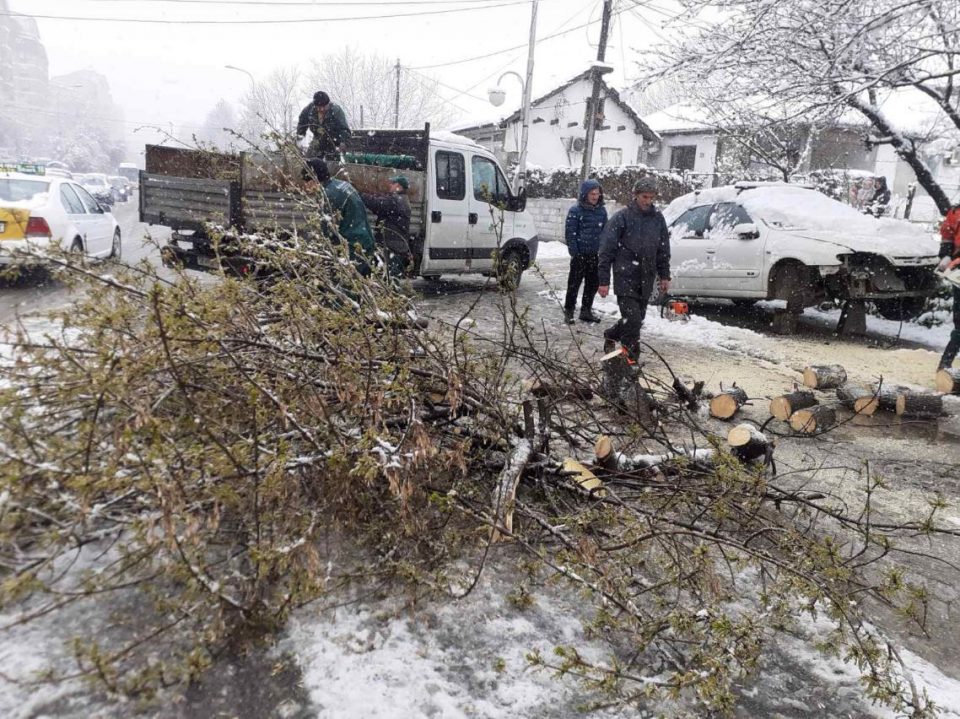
(230, 451)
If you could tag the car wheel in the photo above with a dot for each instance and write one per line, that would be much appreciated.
(510, 270)
(901, 309)
(115, 246)
(76, 247)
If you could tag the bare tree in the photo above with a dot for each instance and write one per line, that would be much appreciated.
(273, 105)
(364, 85)
(825, 56)
(219, 126)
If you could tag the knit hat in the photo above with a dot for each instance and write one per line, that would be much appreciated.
(645, 184)
(321, 98)
(402, 181)
(316, 169)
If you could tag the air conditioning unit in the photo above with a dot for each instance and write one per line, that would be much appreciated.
(575, 144)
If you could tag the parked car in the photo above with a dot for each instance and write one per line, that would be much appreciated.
(122, 186)
(98, 186)
(775, 241)
(40, 210)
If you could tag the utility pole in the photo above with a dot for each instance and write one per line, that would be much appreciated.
(593, 107)
(396, 100)
(525, 108)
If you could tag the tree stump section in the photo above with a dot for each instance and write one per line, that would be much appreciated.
(727, 403)
(813, 420)
(749, 444)
(783, 406)
(917, 405)
(824, 376)
(948, 381)
(860, 400)
(853, 318)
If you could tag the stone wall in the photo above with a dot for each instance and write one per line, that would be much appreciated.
(551, 215)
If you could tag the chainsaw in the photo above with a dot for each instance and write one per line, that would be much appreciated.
(674, 310)
(951, 274)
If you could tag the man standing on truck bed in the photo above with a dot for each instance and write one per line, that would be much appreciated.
(328, 123)
(393, 223)
(351, 215)
(636, 245)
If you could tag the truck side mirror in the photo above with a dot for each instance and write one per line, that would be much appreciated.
(518, 203)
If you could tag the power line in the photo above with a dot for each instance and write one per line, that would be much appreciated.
(509, 49)
(302, 3)
(275, 21)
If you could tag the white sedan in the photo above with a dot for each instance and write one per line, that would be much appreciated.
(775, 241)
(38, 211)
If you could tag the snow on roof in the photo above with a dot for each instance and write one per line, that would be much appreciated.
(680, 117)
(797, 208)
(447, 136)
(909, 111)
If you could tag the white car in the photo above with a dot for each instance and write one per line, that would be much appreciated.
(775, 241)
(38, 210)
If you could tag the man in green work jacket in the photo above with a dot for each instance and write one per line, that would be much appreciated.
(349, 213)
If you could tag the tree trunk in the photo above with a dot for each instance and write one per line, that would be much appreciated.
(727, 403)
(813, 420)
(919, 405)
(860, 400)
(785, 405)
(505, 494)
(948, 381)
(747, 443)
(826, 376)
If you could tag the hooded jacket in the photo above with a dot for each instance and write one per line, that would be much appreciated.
(636, 245)
(585, 222)
(352, 221)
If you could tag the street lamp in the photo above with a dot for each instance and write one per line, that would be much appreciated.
(496, 96)
(245, 72)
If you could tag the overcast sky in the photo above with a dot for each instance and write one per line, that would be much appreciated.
(174, 72)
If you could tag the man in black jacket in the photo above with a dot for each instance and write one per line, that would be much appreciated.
(393, 223)
(636, 245)
(328, 123)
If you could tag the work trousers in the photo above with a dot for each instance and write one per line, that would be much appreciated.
(953, 346)
(583, 269)
(633, 310)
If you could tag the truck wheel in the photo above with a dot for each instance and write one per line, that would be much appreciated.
(510, 270)
(901, 309)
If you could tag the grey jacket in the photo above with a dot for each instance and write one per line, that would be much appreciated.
(636, 246)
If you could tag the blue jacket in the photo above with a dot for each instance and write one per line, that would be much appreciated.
(585, 222)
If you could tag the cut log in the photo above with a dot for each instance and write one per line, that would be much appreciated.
(505, 493)
(605, 453)
(887, 396)
(860, 400)
(919, 405)
(824, 376)
(727, 403)
(747, 443)
(813, 420)
(948, 381)
(783, 406)
(538, 388)
(584, 477)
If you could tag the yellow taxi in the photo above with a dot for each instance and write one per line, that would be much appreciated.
(39, 210)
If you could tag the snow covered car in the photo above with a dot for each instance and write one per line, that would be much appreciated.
(98, 186)
(775, 241)
(122, 187)
(38, 210)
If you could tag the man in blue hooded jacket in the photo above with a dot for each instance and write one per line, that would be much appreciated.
(585, 222)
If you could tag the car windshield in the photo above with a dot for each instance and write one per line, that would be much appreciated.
(21, 190)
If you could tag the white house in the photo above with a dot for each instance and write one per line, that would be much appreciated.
(557, 128)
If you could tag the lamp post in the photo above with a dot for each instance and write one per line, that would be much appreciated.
(497, 96)
(253, 82)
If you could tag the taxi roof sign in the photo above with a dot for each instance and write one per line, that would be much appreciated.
(24, 168)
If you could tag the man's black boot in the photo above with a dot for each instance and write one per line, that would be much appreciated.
(588, 316)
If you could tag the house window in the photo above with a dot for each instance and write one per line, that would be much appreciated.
(683, 157)
(611, 156)
(451, 183)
